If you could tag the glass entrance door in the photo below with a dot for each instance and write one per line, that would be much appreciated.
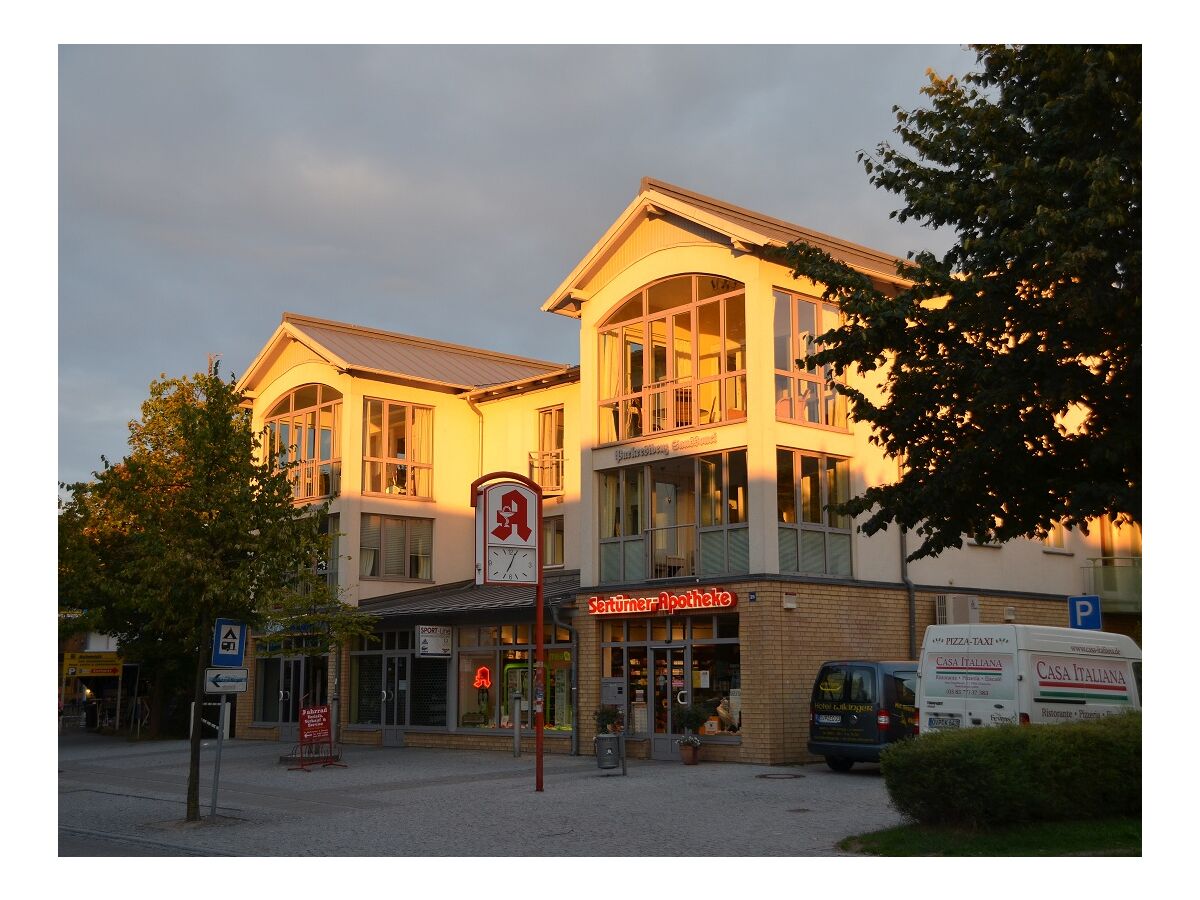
(289, 699)
(395, 699)
(668, 689)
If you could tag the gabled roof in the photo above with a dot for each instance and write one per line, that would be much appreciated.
(745, 230)
(354, 348)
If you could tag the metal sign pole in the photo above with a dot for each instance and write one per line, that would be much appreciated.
(515, 716)
(217, 767)
(539, 670)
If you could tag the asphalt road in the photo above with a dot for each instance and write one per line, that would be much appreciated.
(118, 798)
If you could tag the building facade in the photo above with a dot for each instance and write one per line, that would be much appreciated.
(687, 462)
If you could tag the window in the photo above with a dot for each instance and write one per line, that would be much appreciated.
(802, 395)
(675, 518)
(303, 428)
(546, 465)
(813, 540)
(328, 567)
(391, 547)
(1055, 538)
(707, 647)
(553, 541)
(673, 356)
(488, 676)
(846, 684)
(397, 449)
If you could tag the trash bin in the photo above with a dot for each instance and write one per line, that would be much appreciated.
(92, 716)
(608, 751)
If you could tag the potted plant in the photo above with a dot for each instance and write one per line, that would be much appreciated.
(608, 719)
(691, 719)
(689, 749)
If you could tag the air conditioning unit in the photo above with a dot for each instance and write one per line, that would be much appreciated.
(957, 609)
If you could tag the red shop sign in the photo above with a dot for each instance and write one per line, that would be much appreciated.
(666, 602)
(314, 725)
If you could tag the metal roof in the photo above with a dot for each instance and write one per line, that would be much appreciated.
(452, 365)
(468, 597)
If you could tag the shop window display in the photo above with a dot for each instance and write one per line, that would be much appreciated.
(488, 677)
(702, 658)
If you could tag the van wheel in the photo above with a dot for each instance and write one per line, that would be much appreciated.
(839, 763)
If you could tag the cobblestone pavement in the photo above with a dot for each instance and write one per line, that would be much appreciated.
(115, 794)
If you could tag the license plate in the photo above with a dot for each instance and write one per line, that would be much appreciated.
(943, 722)
(829, 720)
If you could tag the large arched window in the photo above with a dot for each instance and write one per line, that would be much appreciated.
(673, 356)
(304, 426)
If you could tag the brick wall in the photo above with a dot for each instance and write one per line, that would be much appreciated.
(782, 649)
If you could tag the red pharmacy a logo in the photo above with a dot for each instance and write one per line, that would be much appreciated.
(513, 515)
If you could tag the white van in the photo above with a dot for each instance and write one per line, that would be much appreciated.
(977, 675)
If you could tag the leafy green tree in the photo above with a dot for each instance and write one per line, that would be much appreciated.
(191, 526)
(1009, 369)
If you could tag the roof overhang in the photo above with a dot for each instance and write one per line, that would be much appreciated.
(746, 232)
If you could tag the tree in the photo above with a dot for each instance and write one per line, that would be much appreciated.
(1010, 368)
(194, 525)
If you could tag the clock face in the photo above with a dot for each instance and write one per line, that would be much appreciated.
(514, 564)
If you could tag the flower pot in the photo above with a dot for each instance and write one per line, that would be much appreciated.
(689, 753)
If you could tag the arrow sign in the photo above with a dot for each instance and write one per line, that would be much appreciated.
(225, 681)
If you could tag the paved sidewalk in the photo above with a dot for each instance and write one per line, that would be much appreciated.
(417, 802)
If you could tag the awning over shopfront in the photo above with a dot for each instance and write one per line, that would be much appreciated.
(467, 597)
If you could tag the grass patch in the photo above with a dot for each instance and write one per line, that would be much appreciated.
(1096, 837)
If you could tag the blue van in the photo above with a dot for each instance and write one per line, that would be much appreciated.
(858, 707)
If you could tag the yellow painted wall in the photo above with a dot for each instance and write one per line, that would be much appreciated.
(510, 434)
(509, 427)
(645, 257)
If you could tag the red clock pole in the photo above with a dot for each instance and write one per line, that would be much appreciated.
(539, 664)
(519, 504)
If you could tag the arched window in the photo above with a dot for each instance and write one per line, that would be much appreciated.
(304, 427)
(673, 356)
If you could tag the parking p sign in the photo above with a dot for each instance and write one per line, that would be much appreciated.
(1084, 612)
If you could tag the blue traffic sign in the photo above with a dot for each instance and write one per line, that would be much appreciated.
(229, 644)
(1084, 612)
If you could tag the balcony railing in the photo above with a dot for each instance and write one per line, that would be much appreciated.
(313, 480)
(546, 469)
(1117, 581)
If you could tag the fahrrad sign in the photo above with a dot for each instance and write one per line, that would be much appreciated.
(314, 725)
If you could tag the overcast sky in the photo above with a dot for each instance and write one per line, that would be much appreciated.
(437, 191)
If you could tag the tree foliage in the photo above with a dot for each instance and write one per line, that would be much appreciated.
(193, 524)
(1010, 367)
